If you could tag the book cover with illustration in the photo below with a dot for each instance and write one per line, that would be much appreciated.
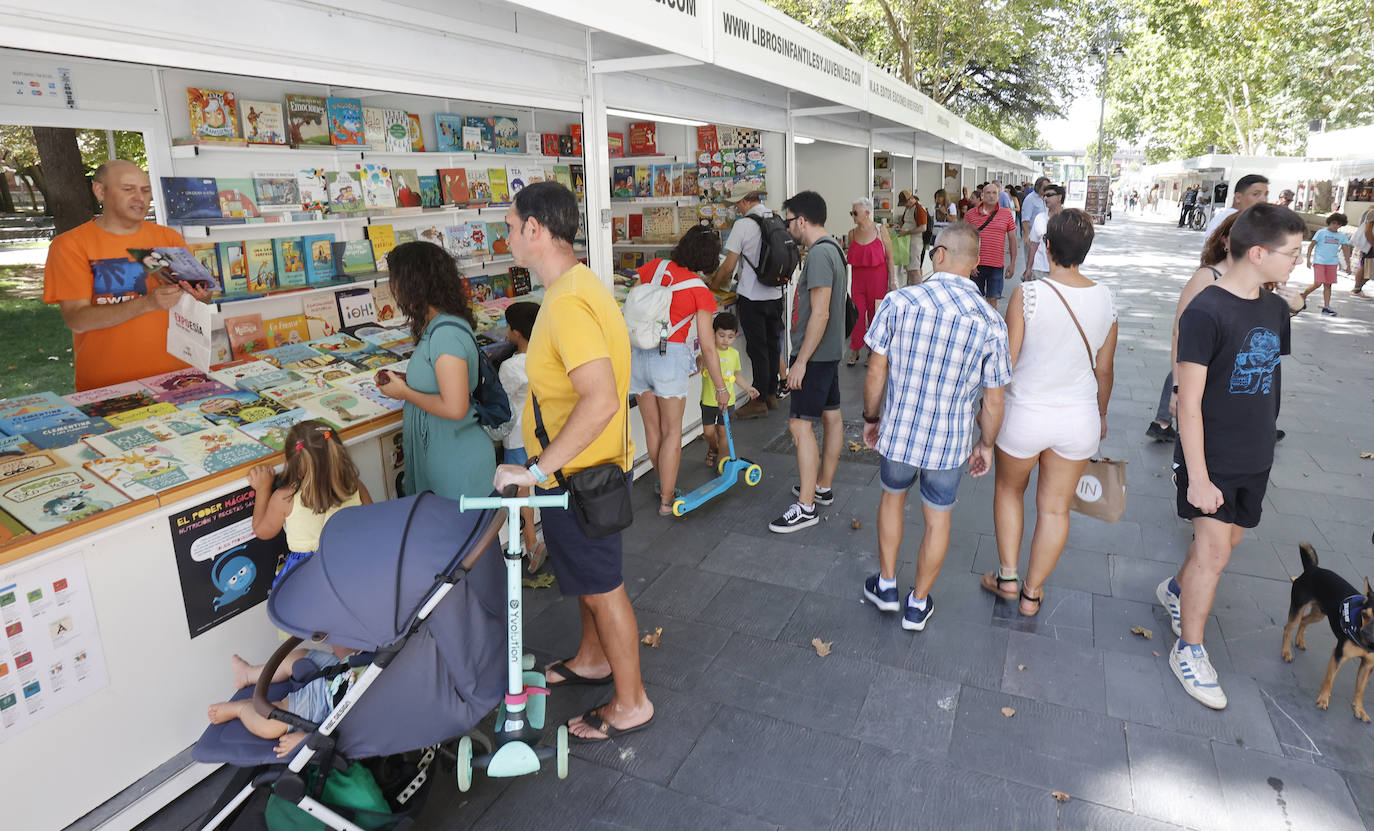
(449, 128)
(278, 377)
(643, 138)
(179, 381)
(288, 394)
(623, 181)
(520, 280)
(64, 435)
(263, 122)
(676, 189)
(346, 122)
(516, 179)
(233, 266)
(406, 184)
(453, 184)
(290, 259)
(417, 135)
(345, 192)
(47, 499)
(233, 408)
(354, 257)
(469, 240)
(127, 417)
(620, 229)
(579, 179)
(325, 368)
(307, 119)
(395, 132)
(575, 133)
(364, 385)
(321, 315)
(80, 397)
(479, 186)
(690, 185)
(271, 431)
(284, 331)
(342, 408)
(284, 356)
(238, 199)
(356, 306)
(636, 225)
(482, 138)
(143, 471)
(149, 431)
(189, 198)
(376, 184)
(368, 357)
(388, 311)
(246, 334)
(548, 144)
(374, 128)
(562, 174)
(231, 373)
(501, 285)
(383, 239)
(276, 191)
(658, 223)
(644, 180)
(497, 238)
(340, 342)
(431, 196)
(109, 408)
(433, 234)
(477, 289)
(174, 264)
(205, 254)
(318, 250)
(506, 133)
(663, 180)
(261, 264)
(214, 114)
(219, 448)
(615, 143)
(313, 188)
(500, 188)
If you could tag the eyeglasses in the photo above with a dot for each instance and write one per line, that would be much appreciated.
(853, 213)
(1296, 256)
(935, 248)
(791, 219)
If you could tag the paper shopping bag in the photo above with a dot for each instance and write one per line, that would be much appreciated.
(1101, 490)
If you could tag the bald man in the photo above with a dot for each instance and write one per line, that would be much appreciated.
(919, 412)
(117, 314)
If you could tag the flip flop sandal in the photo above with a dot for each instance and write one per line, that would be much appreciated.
(537, 557)
(594, 720)
(1035, 600)
(571, 678)
(665, 510)
(992, 581)
(711, 458)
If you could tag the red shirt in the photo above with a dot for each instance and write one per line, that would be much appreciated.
(992, 240)
(685, 302)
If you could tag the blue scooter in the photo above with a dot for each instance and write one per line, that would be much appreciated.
(729, 469)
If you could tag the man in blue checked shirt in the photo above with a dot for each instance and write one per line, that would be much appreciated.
(935, 347)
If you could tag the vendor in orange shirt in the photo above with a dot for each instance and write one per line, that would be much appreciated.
(117, 313)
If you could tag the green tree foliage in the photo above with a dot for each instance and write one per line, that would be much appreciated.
(19, 152)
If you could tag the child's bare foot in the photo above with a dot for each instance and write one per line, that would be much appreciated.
(288, 743)
(222, 712)
(244, 676)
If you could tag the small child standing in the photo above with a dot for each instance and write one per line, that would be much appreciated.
(520, 320)
(1230, 340)
(726, 328)
(1323, 255)
(318, 480)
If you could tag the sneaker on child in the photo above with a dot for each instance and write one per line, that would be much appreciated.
(887, 600)
(796, 517)
(1194, 671)
(824, 496)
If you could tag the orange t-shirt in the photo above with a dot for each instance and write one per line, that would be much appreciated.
(87, 263)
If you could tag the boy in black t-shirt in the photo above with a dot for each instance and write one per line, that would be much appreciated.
(1229, 342)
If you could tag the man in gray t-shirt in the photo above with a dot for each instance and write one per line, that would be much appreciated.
(817, 341)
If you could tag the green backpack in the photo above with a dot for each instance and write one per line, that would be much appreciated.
(353, 790)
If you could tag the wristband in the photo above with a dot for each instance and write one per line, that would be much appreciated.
(533, 467)
(1175, 389)
(868, 419)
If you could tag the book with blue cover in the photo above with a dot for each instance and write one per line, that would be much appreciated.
(62, 435)
(430, 196)
(32, 402)
(319, 258)
(24, 423)
(346, 122)
(290, 262)
(174, 264)
(281, 356)
(271, 431)
(450, 130)
(484, 130)
(190, 198)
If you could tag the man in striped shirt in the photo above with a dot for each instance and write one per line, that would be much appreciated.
(996, 227)
(935, 346)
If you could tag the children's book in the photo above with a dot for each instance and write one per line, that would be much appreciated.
(376, 182)
(290, 262)
(126, 417)
(346, 122)
(676, 189)
(271, 432)
(453, 184)
(690, 185)
(237, 199)
(313, 187)
(388, 311)
(18, 467)
(562, 174)
(284, 356)
(483, 137)
(189, 198)
(623, 181)
(449, 128)
(406, 184)
(579, 179)
(548, 144)
(318, 251)
(143, 471)
(216, 449)
(500, 189)
(50, 499)
(497, 238)
(417, 135)
(620, 229)
(644, 180)
(41, 419)
(520, 280)
(354, 257)
(62, 435)
(110, 407)
(479, 186)
(327, 368)
(263, 122)
(575, 133)
(368, 357)
(501, 285)
(662, 180)
(336, 343)
(276, 191)
(278, 377)
(321, 315)
(233, 267)
(516, 179)
(246, 335)
(356, 307)
(474, 241)
(284, 331)
(144, 433)
(82, 397)
(383, 239)
(506, 134)
(174, 264)
(364, 385)
(430, 194)
(377, 124)
(306, 119)
(342, 408)
(477, 289)
(643, 138)
(636, 223)
(179, 381)
(261, 264)
(615, 143)
(658, 223)
(205, 254)
(214, 114)
(231, 373)
(433, 234)
(233, 408)
(345, 192)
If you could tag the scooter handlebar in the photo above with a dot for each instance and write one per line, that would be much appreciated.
(482, 503)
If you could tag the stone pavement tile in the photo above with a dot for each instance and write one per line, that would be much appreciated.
(1076, 814)
(788, 682)
(643, 806)
(969, 653)
(1264, 791)
(1078, 568)
(892, 790)
(854, 627)
(908, 713)
(639, 573)
(1120, 538)
(1145, 691)
(1291, 530)
(1331, 738)
(446, 806)
(1043, 745)
(656, 753)
(1055, 671)
(681, 591)
(776, 771)
(685, 650)
(1285, 500)
(1135, 578)
(1362, 789)
(1260, 558)
(779, 560)
(1256, 654)
(751, 607)
(1174, 778)
(1347, 537)
(675, 541)
(545, 801)
(1065, 615)
(1113, 619)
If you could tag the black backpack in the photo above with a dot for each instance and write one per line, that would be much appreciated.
(489, 399)
(851, 312)
(778, 252)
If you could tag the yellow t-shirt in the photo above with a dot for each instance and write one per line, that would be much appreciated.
(729, 365)
(303, 526)
(578, 322)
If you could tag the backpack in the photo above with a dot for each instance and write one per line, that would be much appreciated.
(778, 252)
(851, 312)
(646, 309)
(488, 400)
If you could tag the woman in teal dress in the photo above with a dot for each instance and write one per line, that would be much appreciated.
(446, 451)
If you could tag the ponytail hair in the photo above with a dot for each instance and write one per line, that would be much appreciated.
(318, 466)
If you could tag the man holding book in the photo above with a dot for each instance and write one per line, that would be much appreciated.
(116, 311)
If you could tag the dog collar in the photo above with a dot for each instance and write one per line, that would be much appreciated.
(1350, 613)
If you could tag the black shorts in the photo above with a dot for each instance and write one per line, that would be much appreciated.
(712, 415)
(820, 391)
(1242, 497)
(581, 564)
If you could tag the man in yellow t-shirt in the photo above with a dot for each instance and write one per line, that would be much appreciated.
(578, 363)
(117, 314)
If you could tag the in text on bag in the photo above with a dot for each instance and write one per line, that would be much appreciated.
(779, 255)
(646, 310)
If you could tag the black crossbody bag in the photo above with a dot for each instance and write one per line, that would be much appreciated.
(598, 496)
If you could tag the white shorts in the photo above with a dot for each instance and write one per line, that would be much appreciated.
(1070, 430)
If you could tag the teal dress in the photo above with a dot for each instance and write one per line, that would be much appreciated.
(447, 456)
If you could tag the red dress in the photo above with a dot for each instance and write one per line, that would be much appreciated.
(868, 285)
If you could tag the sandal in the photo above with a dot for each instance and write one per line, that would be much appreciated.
(665, 510)
(571, 678)
(1028, 599)
(593, 719)
(992, 581)
(537, 557)
(712, 457)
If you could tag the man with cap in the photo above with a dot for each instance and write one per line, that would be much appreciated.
(759, 307)
(1286, 199)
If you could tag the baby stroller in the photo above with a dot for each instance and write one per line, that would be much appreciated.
(418, 587)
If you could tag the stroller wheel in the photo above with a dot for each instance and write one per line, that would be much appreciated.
(563, 751)
(464, 764)
(753, 475)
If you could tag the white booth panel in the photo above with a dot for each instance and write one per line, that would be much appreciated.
(929, 178)
(839, 173)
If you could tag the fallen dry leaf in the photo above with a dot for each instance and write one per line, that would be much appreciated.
(1143, 632)
(822, 647)
(1060, 795)
(1008, 711)
(1021, 667)
(1367, 455)
(1156, 654)
(539, 581)
(856, 523)
(855, 447)
(653, 639)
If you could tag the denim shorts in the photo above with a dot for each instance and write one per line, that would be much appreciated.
(313, 700)
(665, 375)
(989, 280)
(938, 487)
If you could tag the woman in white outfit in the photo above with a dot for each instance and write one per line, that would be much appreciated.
(1056, 405)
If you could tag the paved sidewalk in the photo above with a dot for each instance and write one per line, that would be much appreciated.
(906, 730)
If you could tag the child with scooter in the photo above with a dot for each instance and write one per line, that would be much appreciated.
(726, 327)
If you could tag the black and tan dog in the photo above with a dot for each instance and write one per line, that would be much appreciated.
(1321, 593)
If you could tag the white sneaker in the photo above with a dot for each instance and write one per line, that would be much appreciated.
(1172, 604)
(1194, 671)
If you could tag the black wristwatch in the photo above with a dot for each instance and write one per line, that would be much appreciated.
(868, 419)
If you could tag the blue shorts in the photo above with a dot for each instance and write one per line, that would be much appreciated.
(819, 393)
(313, 700)
(938, 487)
(665, 375)
(581, 564)
(989, 280)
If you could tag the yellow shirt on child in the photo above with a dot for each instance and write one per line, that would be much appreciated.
(729, 365)
(303, 526)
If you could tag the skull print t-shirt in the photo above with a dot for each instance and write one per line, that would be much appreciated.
(1239, 341)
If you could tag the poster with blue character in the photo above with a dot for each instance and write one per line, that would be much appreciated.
(224, 569)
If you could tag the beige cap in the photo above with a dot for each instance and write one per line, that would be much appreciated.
(744, 190)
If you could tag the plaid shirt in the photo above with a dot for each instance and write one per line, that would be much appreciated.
(943, 343)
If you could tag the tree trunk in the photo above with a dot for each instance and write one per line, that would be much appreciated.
(66, 189)
(6, 201)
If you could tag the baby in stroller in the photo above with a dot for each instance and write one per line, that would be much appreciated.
(313, 701)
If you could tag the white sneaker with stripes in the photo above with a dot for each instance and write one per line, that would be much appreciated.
(1194, 671)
